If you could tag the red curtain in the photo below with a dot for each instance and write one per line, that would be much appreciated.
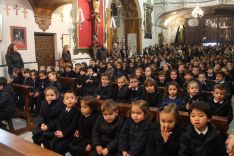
(85, 17)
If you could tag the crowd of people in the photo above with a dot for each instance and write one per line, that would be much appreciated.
(184, 73)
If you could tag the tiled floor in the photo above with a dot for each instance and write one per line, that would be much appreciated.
(28, 135)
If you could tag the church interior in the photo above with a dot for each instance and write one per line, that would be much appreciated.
(87, 48)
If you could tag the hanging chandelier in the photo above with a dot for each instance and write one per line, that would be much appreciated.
(197, 12)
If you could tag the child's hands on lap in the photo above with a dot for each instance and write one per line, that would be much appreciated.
(58, 134)
(88, 148)
(165, 133)
(77, 133)
(125, 153)
(44, 127)
(105, 151)
(99, 150)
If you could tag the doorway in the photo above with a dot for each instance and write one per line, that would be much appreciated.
(44, 47)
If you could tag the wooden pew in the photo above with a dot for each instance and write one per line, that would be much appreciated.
(12, 145)
(22, 89)
(220, 122)
(68, 83)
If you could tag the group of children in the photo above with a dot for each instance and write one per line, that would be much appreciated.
(97, 129)
(136, 81)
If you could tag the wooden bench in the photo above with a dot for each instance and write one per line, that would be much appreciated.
(220, 122)
(68, 83)
(24, 90)
(12, 145)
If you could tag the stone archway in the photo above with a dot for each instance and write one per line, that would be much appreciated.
(133, 22)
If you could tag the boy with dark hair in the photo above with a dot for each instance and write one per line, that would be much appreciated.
(161, 81)
(220, 79)
(200, 137)
(105, 89)
(106, 130)
(135, 90)
(7, 101)
(151, 94)
(219, 104)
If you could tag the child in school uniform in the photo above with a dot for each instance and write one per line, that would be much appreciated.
(7, 101)
(106, 130)
(151, 94)
(210, 73)
(91, 83)
(104, 90)
(134, 134)
(187, 77)
(65, 125)
(27, 77)
(220, 79)
(121, 91)
(192, 95)
(53, 78)
(174, 77)
(135, 90)
(35, 83)
(201, 137)
(82, 140)
(219, 104)
(139, 75)
(172, 95)
(80, 82)
(204, 84)
(39, 91)
(50, 110)
(161, 80)
(164, 135)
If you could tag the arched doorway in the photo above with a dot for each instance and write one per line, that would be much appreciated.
(132, 21)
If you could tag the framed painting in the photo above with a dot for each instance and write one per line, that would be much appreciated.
(65, 40)
(19, 37)
(148, 9)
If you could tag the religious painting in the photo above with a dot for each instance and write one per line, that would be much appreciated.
(148, 9)
(0, 27)
(211, 23)
(19, 37)
(90, 23)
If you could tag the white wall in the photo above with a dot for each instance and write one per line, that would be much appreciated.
(57, 27)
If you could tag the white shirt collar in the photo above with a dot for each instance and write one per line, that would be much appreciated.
(217, 101)
(68, 109)
(203, 132)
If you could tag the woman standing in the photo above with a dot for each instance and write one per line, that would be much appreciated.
(66, 55)
(13, 59)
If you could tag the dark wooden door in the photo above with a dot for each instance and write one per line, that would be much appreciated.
(44, 45)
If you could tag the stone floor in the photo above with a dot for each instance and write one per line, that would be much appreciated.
(18, 123)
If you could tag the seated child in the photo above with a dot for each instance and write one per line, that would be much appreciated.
(7, 101)
(201, 137)
(135, 90)
(82, 141)
(219, 104)
(80, 82)
(106, 130)
(172, 95)
(50, 111)
(53, 78)
(134, 134)
(161, 81)
(192, 95)
(27, 77)
(165, 134)
(151, 94)
(121, 91)
(64, 126)
(204, 84)
(104, 90)
(91, 82)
